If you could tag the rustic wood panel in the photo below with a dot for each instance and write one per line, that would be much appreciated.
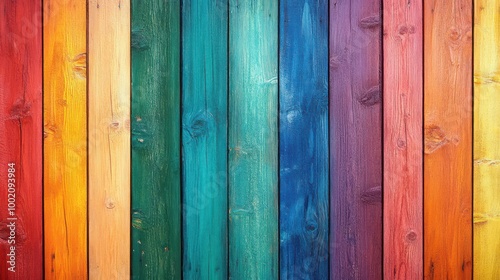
(109, 139)
(486, 135)
(448, 139)
(65, 143)
(253, 140)
(403, 108)
(204, 138)
(21, 139)
(156, 177)
(355, 140)
(304, 139)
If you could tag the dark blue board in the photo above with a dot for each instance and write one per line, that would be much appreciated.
(304, 150)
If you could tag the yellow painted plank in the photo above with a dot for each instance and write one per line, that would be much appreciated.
(65, 141)
(109, 139)
(486, 137)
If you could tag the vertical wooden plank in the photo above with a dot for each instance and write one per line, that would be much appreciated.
(65, 143)
(204, 138)
(403, 84)
(304, 139)
(156, 189)
(109, 139)
(355, 140)
(253, 140)
(486, 135)
(447, 134)
(21, 139)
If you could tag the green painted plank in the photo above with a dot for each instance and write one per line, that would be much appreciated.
(204, 138)
(253, 140)
(156, 179)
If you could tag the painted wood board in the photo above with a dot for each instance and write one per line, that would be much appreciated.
(355, 140)
(253, 140)
(304, 148)
(21, 139)
(204, 138)
(486, 244)
(156, 162)
(65, 139)
(109, 139)
(403, 107)
(448, 139)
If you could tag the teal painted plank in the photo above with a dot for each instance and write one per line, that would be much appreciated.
(156, 180)
(304, 139)
(204, 123)
(253, 140)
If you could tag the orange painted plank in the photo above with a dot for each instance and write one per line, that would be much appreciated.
(21, 140)
(65, 141)
(448, 139)
(403, 139)
(109, 139)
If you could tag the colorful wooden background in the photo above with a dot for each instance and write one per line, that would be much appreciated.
(256, 139)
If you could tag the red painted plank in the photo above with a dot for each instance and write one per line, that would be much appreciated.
(402, 139)
(356, 140)
(21, 137)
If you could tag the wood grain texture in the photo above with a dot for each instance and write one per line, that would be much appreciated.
(253, 140)
(65, 141)
(204, 138)
(355, 140)
(486, 134)
(21, 136)
(304, 139)
(156, 177)
(109, 139)
(448, 139)
(403, 107)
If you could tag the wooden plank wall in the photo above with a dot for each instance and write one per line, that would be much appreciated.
(204, 138)
(486, 134)
(21, 138)
(65, 139)
(253, 140)
(109, 139)
(403, 92)
(304, 139)
(355, 140)
(156, 164)
(250, 141)
(448, 139)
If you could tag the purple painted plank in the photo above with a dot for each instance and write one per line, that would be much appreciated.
(355, 140)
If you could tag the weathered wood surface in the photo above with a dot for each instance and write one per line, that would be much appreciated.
(355, 140)
(486, 134)
(253, 140)
(156, 163)
(204, 138)
(304, 139)
(21, 137)
(448, 139)
(65, 140)
(109, 139)
(403, 92)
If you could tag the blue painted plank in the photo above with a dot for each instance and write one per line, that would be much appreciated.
(204, 138)
(304, 139)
